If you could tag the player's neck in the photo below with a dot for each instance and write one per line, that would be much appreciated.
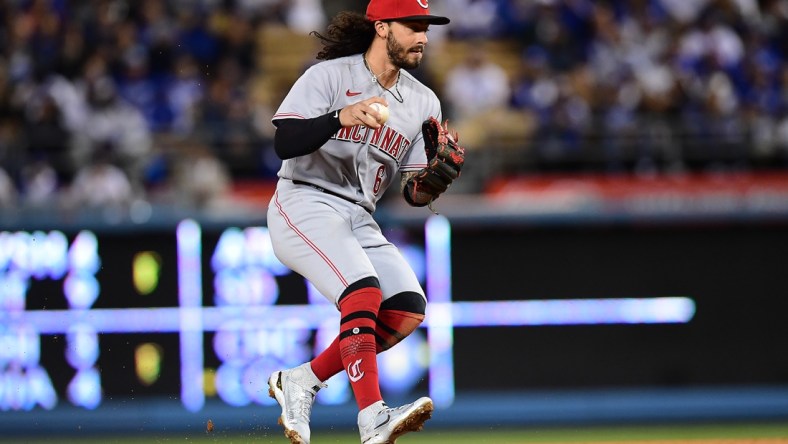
(382, 70)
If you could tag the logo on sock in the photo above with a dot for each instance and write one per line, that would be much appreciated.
(354, 372)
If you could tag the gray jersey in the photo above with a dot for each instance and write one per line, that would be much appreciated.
(357, 162)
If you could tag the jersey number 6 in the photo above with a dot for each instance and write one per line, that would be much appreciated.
(379, 175)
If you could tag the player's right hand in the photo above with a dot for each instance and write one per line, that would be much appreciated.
(361, 113)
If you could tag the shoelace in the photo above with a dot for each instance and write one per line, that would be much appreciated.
(394, 409)
(304, 407)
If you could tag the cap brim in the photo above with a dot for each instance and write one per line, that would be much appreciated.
(431, 19)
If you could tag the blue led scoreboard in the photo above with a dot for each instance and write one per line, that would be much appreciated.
(195, 314)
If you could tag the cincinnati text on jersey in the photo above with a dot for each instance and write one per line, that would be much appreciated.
(384, 138)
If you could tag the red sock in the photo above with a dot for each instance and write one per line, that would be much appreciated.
(359, 311)
(392, 327)
(395, 325)
(328, 363)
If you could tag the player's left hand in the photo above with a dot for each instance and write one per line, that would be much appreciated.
(445, 159)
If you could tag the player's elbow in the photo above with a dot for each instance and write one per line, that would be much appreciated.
(282, 144)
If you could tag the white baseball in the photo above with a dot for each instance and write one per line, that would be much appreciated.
(383, 111)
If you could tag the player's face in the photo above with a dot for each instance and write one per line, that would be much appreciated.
(405, 43)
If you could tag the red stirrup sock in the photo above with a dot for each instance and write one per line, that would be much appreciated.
(392, 327)
(357, 348)
(329, 362)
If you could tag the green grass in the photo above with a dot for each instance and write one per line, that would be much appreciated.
(443, 436)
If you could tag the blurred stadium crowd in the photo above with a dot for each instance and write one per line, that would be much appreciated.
(107, 101)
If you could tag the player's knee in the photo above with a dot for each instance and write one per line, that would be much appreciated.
(408, 301)
(399, 316)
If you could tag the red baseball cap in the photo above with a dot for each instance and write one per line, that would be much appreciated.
(402, 10)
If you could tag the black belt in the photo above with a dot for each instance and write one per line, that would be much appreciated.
(323, 190)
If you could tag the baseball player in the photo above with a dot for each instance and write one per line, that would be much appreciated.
(339, 156)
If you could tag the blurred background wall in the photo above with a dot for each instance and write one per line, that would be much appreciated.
(618, 152)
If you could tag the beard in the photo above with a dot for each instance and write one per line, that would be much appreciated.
(399, 55)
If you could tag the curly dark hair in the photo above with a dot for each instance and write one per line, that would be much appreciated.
(348, 33)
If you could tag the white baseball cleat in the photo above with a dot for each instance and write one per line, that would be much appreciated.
(380, 424)
(295, 391)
